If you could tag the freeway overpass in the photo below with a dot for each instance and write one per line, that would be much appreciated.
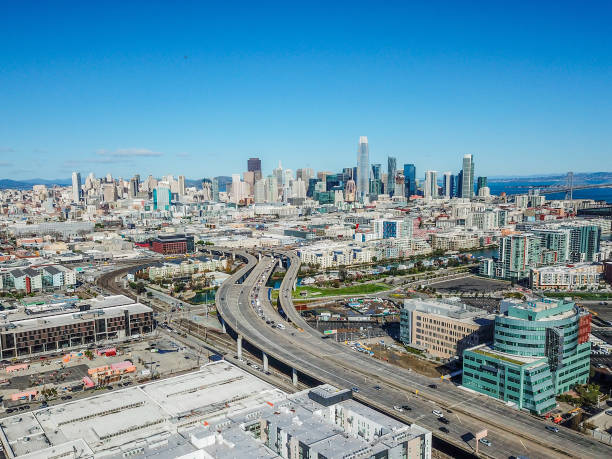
(302, 349)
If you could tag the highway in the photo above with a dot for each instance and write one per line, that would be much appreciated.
(511, 432)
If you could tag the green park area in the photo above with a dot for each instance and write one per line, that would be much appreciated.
(307, 291)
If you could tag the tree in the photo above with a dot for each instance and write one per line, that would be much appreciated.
(179, 287)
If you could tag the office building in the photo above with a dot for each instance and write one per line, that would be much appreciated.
(363, 168)
(430, 188)
(54, 327)
(391, 172)
(410, 179)
(110, 192)
(540, 350)
(162, 196)
(444, 329)
(254, 165)
(448, 185)
(467, 177)
(459, 185)
(181, 186)
(76, 186)
(173, 244)
(305, 174)
(376, 171)
(481, 183)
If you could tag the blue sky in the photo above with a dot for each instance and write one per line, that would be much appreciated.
(195, 88)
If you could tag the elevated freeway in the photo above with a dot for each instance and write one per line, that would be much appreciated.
(302, 349)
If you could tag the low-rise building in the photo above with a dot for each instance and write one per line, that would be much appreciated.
(37, 278)
(76, 323)
(218, 412)
(443, 329)
(568, 277)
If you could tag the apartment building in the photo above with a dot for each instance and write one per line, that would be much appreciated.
(568, 277)
(443, 329)
(37, 278)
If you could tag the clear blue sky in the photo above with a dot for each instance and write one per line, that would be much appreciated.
(195, 89)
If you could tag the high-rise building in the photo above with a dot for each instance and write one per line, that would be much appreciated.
(391, 172)
(448, 184)
(254, 165)
(162, 196)
(585, 242)
(259, 192)
(181, 186)
(410, 179)
(467, 187)
(133, 188)
(76, 186)
(517, 254)
(350, 191)
(399, 189)
(376, 171)
(110, 192)
(305, 174)
(481, 183)
(363, 168)
(459, 185)
(430, 188)
(540, 350)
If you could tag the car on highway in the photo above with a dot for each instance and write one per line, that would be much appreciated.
(444, 429)
(609, 412)
(438, 413)
(355, 389)
(406, 408)
(485, 442)
(377, 388)
(552, 429)
(443, 420)
(433, 386)
(398, 408)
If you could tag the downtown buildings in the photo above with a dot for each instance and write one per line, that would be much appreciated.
(540, 350)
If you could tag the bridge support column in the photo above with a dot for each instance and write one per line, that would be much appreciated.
(239, 346)
(265, 361)
(295, 378)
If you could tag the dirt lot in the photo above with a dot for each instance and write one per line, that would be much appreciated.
(471, 284)
(407, 360)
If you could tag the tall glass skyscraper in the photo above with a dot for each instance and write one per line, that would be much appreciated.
(410, 179)
(391, 172)
(467, 186)
(363, 168)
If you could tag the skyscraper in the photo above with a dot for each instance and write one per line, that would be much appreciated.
(430, 189)
(467, 185)
(254, 165)
(410, 179)
(391, 171)
(363, 168)
(76, 186)
(448, 185)
(181, 186)
(376, 171)
(162, 196)
(481, 183)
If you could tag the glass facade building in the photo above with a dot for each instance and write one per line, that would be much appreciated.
(540, 350)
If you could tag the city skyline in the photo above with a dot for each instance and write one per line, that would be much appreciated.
(420, 81)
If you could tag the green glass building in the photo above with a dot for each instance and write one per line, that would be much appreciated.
(540, 350)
